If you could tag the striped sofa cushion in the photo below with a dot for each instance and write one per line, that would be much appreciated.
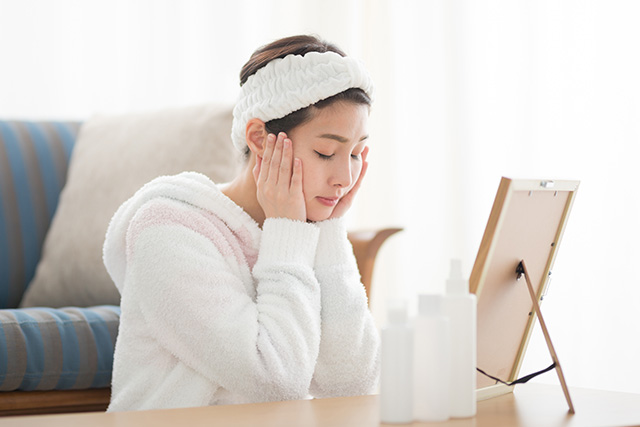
(67, 348)
(33, 167)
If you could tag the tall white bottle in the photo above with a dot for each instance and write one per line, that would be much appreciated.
(460, 308)
(431, 361)
(396, 371)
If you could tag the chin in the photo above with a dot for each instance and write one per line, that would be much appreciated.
(319, 216)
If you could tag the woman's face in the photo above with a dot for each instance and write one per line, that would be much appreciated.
(330, 147)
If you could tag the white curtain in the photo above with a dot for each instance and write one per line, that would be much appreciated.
(523, 89)
(467, 91)
(544, 89)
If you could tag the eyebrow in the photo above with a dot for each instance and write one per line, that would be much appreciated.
(339, 138)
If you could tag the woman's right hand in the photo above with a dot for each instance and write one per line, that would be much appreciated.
(279, 180)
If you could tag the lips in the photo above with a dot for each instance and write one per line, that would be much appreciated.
(328, 201)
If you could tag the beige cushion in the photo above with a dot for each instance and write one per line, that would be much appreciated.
(113, 157)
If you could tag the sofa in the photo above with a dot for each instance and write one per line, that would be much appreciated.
(60, 183)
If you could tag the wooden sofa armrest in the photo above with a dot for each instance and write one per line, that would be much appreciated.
(366, 245)
(53, 401)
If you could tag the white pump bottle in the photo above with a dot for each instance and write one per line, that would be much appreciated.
(431, 361)
(460, 308)
(396, 372)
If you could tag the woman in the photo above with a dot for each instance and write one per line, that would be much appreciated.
(249, 291)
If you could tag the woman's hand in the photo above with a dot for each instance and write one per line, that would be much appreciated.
(279, 180)
(347, 200)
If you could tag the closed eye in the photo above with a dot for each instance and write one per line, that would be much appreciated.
(324, 156)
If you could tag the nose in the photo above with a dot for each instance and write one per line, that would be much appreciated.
(341, 175)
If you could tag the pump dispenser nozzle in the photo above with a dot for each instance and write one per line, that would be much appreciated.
(456, 284)
(397, 311)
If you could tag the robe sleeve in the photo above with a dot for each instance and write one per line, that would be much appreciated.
(348, 360)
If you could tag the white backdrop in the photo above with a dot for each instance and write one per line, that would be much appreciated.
(467, 91)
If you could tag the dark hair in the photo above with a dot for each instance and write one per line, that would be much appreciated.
(298, 45)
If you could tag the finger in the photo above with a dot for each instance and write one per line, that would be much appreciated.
(365, 153)
(276, 159)
(354, 190)
(363, 171)
(266, 158)
(296, 177)
(286, 163)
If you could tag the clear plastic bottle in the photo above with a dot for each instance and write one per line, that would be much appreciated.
(396, 372)
(460, 308)
(431, 361)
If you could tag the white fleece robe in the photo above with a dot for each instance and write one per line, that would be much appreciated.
(216, 310)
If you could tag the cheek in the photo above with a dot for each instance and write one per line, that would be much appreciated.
(310, 174)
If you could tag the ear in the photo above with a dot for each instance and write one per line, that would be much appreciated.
(256, 135)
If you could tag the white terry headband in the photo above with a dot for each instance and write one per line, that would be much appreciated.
(294, 82)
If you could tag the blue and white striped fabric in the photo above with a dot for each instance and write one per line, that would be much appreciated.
(34, 157)
(42, 348)
(62, 349)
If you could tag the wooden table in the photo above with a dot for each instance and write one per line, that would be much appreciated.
(530, 405)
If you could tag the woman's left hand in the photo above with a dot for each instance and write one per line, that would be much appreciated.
(347, 200)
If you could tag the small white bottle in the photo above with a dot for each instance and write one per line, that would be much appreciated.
(396, 371)
(431, 361)
(461, 308)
